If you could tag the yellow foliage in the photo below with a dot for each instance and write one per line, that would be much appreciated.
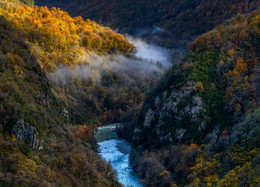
(164, 173)
(231, 53)
(55, 32)
(198, 87)
(18, 72)
(197, 181)
(241, 66)
(14, 138)
(193, 147)
(231, 179)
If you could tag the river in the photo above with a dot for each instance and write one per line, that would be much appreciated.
(116, 151)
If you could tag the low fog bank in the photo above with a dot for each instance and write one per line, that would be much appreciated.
(151, 52)
(149, 62)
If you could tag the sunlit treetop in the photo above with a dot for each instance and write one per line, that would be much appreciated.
(61, 38)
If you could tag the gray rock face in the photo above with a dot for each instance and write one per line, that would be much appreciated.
(194, 110)
(24, 132)
(148, 118)
(179, 133)
(166, 113)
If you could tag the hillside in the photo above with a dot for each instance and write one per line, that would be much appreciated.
(54, 73)
(88, 84)
(175, 22)
(200, 126)
(195, 123)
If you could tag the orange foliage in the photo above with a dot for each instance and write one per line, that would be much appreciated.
(83, 132)
(58, 34)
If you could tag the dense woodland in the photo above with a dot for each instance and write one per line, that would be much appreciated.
(59, 81)
(60, 42)
(212, 139)
(179, 20)
(38, 146)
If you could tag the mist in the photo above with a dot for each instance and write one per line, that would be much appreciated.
(149, 62)
(151, 52)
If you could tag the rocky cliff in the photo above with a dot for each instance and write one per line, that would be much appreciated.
(189, 118)
(215, 81)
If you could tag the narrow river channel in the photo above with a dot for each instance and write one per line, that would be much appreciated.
(116, 151)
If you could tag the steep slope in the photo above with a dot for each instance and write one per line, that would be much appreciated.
(174, 21)
(39, 147)
(54, 40)
(69, 50)
(196, 127)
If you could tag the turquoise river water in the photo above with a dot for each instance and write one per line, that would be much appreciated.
(116, 151)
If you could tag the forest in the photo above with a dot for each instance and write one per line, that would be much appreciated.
(200, 126)
(64, 73)
(170, 23)
(39, 143)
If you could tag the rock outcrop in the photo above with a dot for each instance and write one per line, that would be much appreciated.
(26, 133)
(164, 119)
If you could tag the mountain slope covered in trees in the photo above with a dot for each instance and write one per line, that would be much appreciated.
(65, 45)
(175, 21)
(200, 126)
(39, 147)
